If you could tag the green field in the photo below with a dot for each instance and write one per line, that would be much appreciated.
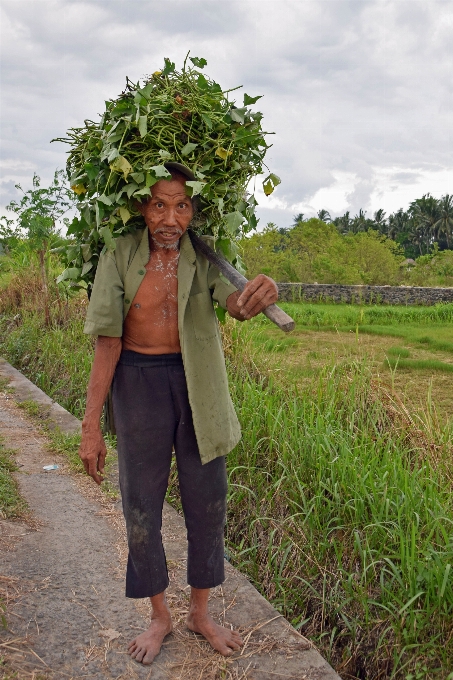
(340, 508)
(408, 349)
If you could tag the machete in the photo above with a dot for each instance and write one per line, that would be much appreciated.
(274, 313)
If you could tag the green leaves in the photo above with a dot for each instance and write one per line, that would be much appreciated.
(160, 171)
(171, 116)
(143, 125)
(233, 221)
(169, 67)
(108, 238)
(238, 115)
(124, 214)
(194, 187)
(188, 148)
(270, 183)
(72, 273)
(121, 164)
(105, 199)
(198, 62)
(222, 153)
(202, 83)
(251, 100)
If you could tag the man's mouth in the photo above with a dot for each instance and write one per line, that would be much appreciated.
(169, 233)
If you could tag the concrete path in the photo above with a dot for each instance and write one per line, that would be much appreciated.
(63, 576)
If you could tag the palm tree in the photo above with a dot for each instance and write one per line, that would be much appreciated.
(297, 219)
(324, 216)
(397, 225)
(426, 214)
(380, 221)
(444, 224)
(343, 223)
(359, 222)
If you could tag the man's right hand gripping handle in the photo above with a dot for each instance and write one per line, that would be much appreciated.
(92, 449)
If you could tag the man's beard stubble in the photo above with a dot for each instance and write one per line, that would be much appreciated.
(167, 246)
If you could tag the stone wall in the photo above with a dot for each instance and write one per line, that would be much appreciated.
(386, 295)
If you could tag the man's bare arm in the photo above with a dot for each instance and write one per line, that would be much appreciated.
(258, 294)
(92, 449)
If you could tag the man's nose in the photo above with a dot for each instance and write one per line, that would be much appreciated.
(170, 217)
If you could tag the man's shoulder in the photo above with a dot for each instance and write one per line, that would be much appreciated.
(129, 241)
(126, 247)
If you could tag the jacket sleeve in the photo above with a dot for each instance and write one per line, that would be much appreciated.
(105, 310)
(221, 288)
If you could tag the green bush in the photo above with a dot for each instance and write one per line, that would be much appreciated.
(314, 251)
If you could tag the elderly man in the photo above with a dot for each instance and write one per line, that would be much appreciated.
(158, 340)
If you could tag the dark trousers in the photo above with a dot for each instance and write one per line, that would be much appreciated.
(152, 415)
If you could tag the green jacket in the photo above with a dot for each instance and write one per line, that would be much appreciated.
(118, 277)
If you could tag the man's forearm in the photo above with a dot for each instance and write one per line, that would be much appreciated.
(106, 355)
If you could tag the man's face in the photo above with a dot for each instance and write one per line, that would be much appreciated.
(168, 212)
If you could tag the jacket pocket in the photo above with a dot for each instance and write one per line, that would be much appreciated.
(203, 316)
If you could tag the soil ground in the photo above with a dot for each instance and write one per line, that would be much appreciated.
(62, 578)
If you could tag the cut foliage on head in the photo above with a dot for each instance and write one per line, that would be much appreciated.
(183, 117)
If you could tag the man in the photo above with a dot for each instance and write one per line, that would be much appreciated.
(158, 340)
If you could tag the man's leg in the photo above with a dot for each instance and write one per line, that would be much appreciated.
(145, 424)
(203, 495)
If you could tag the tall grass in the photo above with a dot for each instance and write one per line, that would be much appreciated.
(340, 518)
(57, 359)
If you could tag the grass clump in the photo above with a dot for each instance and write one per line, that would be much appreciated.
(11, 502)
(400, 352)
(420, 364)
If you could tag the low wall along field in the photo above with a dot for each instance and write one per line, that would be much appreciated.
(388, 295)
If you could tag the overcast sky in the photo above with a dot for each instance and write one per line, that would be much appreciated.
(359, 93)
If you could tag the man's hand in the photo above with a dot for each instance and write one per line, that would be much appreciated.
(258, 294)
(93, 451)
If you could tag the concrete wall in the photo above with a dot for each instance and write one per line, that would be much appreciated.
(387, 295)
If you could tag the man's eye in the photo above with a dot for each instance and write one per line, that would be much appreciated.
(159, 204)
(182, 205)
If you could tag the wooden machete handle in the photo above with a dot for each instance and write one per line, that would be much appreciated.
(273, 312)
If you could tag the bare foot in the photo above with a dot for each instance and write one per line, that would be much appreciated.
(224, 640)
(146, 646)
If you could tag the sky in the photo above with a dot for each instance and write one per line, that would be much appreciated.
(359, 93)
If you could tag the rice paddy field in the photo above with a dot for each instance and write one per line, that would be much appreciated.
(340, 507)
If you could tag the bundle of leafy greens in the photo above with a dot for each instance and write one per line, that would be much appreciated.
(182, 117)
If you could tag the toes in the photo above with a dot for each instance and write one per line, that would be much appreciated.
(226, 651)
(234, 646)
(138, 654)
(148, 659)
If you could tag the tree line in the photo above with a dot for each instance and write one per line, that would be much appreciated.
(426, 222)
